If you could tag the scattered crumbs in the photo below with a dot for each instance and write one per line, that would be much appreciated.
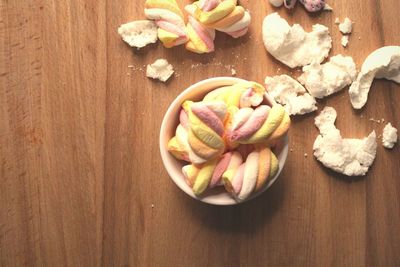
(152, 206)
(379, 136)
(374, 120)
(305, 155)
(291, 150)
(359, 38)
(382, 120)
(128, 74)
(345, 40)
(130, 66)
(337, 21)
(233, 72)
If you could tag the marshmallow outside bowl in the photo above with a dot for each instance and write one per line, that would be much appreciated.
(196, 92)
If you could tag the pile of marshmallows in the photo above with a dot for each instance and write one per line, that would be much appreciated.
(227, 139)
(204, 17)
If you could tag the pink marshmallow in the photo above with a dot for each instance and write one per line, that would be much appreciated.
(208, 117)
(220, 169)
(206, 35)
(210, 4)
(251, 126)
(170, 27)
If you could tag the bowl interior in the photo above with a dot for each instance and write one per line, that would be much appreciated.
(216, 196)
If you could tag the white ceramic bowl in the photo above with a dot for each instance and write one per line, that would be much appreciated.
(173, 166)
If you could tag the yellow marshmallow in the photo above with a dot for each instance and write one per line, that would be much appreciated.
(236, 15)
(204, 133)
(176, 149)
(195, 43)
(221, 11)
(204, 177)
(274, 119)
(202, 149)
(264, 167)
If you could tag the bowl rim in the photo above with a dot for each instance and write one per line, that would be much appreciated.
(203, 87)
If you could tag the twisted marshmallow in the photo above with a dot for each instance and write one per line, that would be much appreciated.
(169, 19)
(244, 94)
(260, 125)
(209, 175)
(261, 165)
(179, 144)
(201, 39)
(222, 15)
(206, 128)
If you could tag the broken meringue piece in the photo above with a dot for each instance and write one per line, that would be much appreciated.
(389, 136)
(325, 79)
(288, 92)
(160, 70)
(383, 63)
(351, 157)
(346, 26)
(345, 40)
(292, 45)
(138, 33)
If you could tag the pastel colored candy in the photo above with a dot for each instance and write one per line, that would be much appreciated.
(276, 116)
(260, 167)
(250, 124)
(169, 19)
(199, 177)
(206, 128)
(177, 150)
(216, 134)
(250, 175)
(244, 94)
(230, 160)
(224, 16)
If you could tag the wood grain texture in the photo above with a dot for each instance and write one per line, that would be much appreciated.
(80, 167)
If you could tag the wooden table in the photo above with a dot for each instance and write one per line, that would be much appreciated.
(82, 182)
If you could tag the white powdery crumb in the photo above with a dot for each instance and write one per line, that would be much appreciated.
(160, 70)
(389, 138)
(337, 21)
(233, 72)
(345, 40)
(130, 66)
(305, 155)
(152, 205)
(346, 26)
